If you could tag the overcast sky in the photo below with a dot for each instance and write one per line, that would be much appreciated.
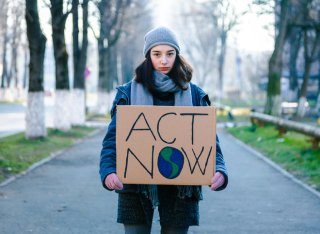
(250, 35)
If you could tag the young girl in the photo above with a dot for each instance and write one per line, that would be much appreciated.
(162, 79)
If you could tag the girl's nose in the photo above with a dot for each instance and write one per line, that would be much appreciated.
(163, 60)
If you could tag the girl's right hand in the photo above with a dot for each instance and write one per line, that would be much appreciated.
(112, 181)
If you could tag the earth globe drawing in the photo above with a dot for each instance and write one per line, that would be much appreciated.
(170, 162)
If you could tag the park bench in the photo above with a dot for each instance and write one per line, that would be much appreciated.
(283, 125)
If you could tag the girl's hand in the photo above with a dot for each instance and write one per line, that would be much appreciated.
(112, 181)
(217, 181)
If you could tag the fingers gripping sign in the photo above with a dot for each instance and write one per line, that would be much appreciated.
(217, 181)
(112, 181)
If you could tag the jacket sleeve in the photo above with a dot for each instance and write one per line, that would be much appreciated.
(220, 164)
(108, 152)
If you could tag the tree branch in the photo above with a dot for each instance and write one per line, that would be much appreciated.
(94, 34)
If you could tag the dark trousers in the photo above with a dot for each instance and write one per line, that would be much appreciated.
(146, 229)
(136, 211)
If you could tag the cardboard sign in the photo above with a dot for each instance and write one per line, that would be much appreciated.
(166, 144)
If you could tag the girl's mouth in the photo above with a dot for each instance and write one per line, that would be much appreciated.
(164, 68)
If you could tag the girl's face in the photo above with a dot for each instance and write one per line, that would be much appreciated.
(162, 58)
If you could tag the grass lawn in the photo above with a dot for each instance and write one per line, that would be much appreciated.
(17, 153)
(292, 151)
(98, 117)
(237, 118)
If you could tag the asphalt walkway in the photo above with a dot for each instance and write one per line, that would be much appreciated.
(65, 196)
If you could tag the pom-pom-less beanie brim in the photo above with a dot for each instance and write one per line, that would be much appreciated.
(160, 36)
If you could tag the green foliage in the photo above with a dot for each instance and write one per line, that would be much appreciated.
(17, 153)
(292, 151)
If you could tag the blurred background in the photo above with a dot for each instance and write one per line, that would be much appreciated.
(259, 61)
(60, 64)
(247, 55)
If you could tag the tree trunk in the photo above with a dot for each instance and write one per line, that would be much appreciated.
(308, 60)
(62, 115)
(35, 115)
(103, 104)
(102, 69)
(78, 116)
(111, 19)
(25, 69)
(317, 108)
(75, 44)
(112, 68)
(295, 40)
(273, 103)
(4, 74)
(102, 47)
(79, 64)
(221, 59)
(15, 41)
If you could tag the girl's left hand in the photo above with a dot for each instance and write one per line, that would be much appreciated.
(217, 181)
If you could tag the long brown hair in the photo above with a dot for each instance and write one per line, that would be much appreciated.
(180, 73)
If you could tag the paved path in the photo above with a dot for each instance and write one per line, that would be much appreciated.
(64, 196)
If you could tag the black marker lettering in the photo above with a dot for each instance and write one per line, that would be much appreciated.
(145, 168)
(197, 160)
(140, 129)
(192, 123)
(158, 128)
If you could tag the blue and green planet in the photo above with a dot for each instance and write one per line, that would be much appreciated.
(170, 162)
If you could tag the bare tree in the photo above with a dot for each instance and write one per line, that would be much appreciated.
(16, 33)
(35, 117)
(211, 22)
(293, 22)
(317, 107)
(129, 47)
(62, 94)
(254, 65)
(111, 15)
(294, 41)
(273, 103)
(4, 27)
(228, 18)
(311, 44)
(25, 66)
(225, 17)
(200, 40)
(79, 62)
(306, 20)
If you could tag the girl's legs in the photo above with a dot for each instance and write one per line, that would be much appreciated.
(174, 230)
(137, 229)
(135, 212)
(176, 214)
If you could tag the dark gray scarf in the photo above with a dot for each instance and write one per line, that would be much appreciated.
(141, 96)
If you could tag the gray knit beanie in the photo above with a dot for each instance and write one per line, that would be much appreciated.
(160, 36)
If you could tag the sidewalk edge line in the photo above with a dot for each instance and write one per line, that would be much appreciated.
(276, 166)
(47, 159)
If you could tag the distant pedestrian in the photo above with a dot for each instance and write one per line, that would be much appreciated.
(159, 80)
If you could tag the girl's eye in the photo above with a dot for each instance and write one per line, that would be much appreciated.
(170, 54)
(156, 54)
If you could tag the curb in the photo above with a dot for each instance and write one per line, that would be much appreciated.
(48, 159)
(276, 166)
